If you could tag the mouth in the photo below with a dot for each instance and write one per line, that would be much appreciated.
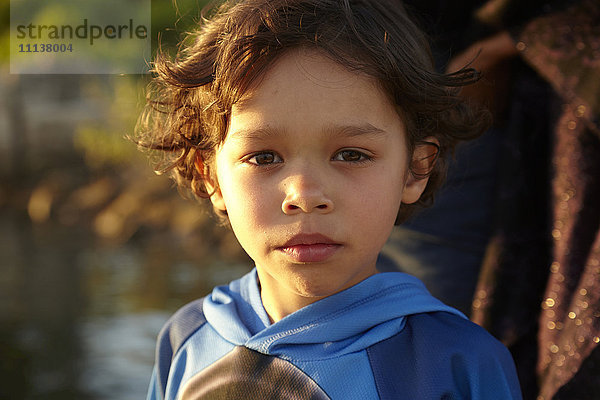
(310, 248)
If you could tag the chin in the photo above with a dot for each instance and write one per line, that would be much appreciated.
(316, 289)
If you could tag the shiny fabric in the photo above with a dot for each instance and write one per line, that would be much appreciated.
(385, 337)
(539, 289)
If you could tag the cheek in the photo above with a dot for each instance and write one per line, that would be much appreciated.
(377, 214)
(249, 204)
(252, 218)
(377, 206)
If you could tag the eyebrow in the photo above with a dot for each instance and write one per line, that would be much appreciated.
(348, 131)
(365, 129)
(255, 134)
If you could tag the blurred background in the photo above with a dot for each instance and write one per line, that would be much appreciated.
(96, 251)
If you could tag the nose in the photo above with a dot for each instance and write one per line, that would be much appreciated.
(303, 194)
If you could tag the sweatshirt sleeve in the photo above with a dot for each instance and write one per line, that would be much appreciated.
(482, 368)
(154, 392)
(441, 355)
(173, 335)
(493, 375)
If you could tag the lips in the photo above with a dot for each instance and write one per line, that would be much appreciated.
(310, 248)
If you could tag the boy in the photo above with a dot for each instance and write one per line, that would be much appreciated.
(313, 126)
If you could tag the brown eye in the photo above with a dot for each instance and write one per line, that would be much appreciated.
(264, 158)
(351, 156)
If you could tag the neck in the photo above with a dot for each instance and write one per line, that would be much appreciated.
(280, 303)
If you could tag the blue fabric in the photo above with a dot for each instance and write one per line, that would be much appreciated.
(179, 328)
(346, 346)
(431, 362)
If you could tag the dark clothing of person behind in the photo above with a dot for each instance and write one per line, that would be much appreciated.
(536, 246)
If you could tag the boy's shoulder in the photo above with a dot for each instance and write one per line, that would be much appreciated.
(441, 352)
(176, 331)
(183, 323)
(440, 336)
(436, 353)
(450, 331)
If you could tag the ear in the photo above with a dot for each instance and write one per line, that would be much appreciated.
(212, 187)
(422, 162)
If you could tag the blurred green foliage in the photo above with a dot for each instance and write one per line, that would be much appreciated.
(87, 228)
(171, 19)
(4, 32)
(105, 144)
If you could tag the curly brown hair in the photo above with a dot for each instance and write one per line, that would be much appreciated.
(190, 99)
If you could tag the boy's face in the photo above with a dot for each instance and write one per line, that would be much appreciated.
(312, 173)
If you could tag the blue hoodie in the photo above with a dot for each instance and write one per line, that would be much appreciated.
(385, 337)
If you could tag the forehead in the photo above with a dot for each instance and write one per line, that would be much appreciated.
(301, 66)
(304, 88)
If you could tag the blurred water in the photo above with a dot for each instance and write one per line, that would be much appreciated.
(78, 320)
(94, 254)
(118, 353)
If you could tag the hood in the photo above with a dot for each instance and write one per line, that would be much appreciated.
(349, 321)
